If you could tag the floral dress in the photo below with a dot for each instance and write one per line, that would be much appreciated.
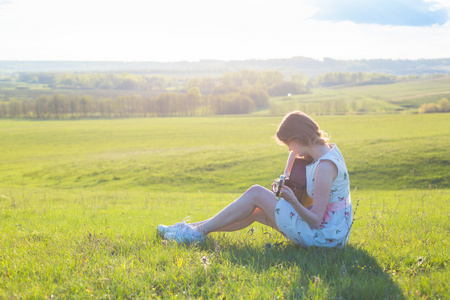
(335, 228)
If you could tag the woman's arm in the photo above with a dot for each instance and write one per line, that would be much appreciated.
(325, 174)
(289, 164)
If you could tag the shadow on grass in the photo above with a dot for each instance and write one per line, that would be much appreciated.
(351, 273)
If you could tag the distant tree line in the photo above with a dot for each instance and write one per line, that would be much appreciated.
(190, 103)
(60, 106)
(338, 78)
(233, 93)
(272, 81)
(124, 81)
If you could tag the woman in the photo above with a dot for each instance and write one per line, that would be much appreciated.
(326, 223)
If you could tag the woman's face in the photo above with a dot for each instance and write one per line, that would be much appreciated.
(298, 148)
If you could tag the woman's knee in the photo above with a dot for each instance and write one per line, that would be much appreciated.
(259, 193)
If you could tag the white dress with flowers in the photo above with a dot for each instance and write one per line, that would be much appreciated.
(335, 228)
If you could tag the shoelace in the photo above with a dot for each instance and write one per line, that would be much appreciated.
(187, 219)
(182, 223)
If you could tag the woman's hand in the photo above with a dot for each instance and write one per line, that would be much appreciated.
(287, 194)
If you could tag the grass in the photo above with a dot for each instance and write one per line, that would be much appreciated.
(215, 154)
(80, 244)
(81, 201)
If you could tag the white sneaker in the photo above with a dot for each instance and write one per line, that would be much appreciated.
(163, 229)
(185, 235)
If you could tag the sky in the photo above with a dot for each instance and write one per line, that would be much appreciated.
(187, 30)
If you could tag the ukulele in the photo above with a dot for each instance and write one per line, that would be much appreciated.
(297, 181)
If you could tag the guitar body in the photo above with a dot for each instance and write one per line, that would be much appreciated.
(297, 181)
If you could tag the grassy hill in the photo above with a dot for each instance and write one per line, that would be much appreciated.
(215, 154)
(405, 97)
(80, 201)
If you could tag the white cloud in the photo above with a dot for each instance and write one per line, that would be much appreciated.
(385, 12)
(171, 30)
(438, 4)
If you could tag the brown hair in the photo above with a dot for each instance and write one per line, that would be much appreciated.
(299, 127)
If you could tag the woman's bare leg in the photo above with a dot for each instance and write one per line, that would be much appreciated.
(243, 212)
(257, 216)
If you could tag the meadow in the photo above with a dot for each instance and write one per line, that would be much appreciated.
(399, 97)
(80, 202)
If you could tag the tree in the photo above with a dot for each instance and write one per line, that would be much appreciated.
(57, 106)
(304, 82)
(270, 78)
(86, 105)
(444, 105)
(259, 96)
(192, 82)
(14, 108)
(106, 107)
(74, 105)
(170, 104)
(284, 88)
(207, 85)
(40, 107)
(194, 98)
(3, 109)
(232, 103)
(131, 82)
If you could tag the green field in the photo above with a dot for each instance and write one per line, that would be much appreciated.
(81, 201)
(399, 97)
